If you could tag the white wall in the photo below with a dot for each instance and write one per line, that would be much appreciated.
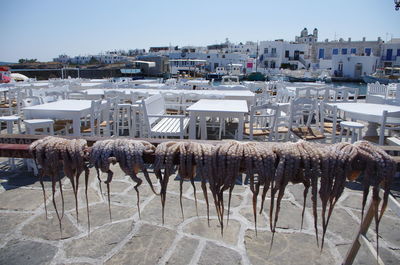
(369, 64)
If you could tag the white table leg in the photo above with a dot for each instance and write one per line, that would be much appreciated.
(240, 128)
(192, 126)
(203, 127)
(76, 126)
(372, 129)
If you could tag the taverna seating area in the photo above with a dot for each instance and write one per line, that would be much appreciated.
(279, 111)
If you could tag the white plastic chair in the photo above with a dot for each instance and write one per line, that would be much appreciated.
(376, 93)
(329, 113)
(91, 126)
(263, 122)
(299, 109)
(390, 121)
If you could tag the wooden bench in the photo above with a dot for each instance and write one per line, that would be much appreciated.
(160, 124)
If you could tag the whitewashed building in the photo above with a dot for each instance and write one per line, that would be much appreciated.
(280, 53)
(108, 58)
(63, 58)
(211, 58)
(353, 66)
(351, 59)
(391, 53)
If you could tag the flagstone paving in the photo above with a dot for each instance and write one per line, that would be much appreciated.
(27, 237)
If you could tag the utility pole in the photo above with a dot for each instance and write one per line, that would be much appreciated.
(257, 58)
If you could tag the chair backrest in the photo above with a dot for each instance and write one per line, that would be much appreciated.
(310, 92)
(173, 101)
(31, 101)
(352, 94)
(14, 100)
(154, 105)
(377, 89)
(95, 117)
(299, 108)
(392, 118)
(76, 95)
(264, 118)
(58, 95)
(397, 96)
(189, 99)
(110, 114)
(171, 97)
(114, 93)
(337, 94)
(283, 95)
(138, 95)
(329, 113)
(261, 98)
(211, 96)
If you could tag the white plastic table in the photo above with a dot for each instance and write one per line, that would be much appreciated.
(64, 109)
(372, 113)
(221, 108)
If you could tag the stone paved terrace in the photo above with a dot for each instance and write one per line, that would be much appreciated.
(26, 237)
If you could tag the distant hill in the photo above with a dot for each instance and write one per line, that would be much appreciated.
(2, 63)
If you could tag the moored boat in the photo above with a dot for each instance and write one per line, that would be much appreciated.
(384, 76)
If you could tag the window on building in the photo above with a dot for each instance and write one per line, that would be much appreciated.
(208, 56)
(266, 64)
(367, 51)
(353, 51)
(273, 50)
(272, 64)
(265, 50)
(321, 53)
(335, 51)
(344, 51)
(223, 56)
(286, 54)
(398, 52)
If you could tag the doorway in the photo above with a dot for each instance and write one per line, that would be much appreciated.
(357, 70)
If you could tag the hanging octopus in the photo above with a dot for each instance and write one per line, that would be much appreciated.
(323, 168)
(129, 154)
(53, 154)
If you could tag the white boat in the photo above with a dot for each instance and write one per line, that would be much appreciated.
(195, 84)
(230, 80)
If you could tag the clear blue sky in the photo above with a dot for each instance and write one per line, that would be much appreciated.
(43, 29)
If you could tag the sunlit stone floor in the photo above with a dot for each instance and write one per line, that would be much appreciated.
(26, 237)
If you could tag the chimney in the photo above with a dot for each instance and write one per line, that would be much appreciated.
(363, 38)
(379, 39)
(341, 40)
(326, 40)
(349, 39)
